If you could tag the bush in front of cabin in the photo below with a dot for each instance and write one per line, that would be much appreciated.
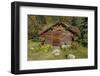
(46, 48)
(74, 46)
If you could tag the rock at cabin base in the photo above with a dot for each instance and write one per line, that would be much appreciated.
(70, 56)
(56, 52)
(65, 46)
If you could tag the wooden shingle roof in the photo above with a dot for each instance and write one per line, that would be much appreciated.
(75, 30)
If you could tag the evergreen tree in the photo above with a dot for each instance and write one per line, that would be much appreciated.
(81, 23)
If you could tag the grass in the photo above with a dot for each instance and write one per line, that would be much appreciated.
(36, 51)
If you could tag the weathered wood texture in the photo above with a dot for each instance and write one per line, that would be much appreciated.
(59, 35)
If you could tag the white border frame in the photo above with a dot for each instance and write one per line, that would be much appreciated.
(25, 65)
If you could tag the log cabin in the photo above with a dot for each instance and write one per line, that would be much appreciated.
(59, 34)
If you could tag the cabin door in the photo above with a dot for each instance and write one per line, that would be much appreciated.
(56, 38)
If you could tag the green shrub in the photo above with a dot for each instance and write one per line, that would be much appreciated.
(74, 46)
(36, 39)
(46, 47)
